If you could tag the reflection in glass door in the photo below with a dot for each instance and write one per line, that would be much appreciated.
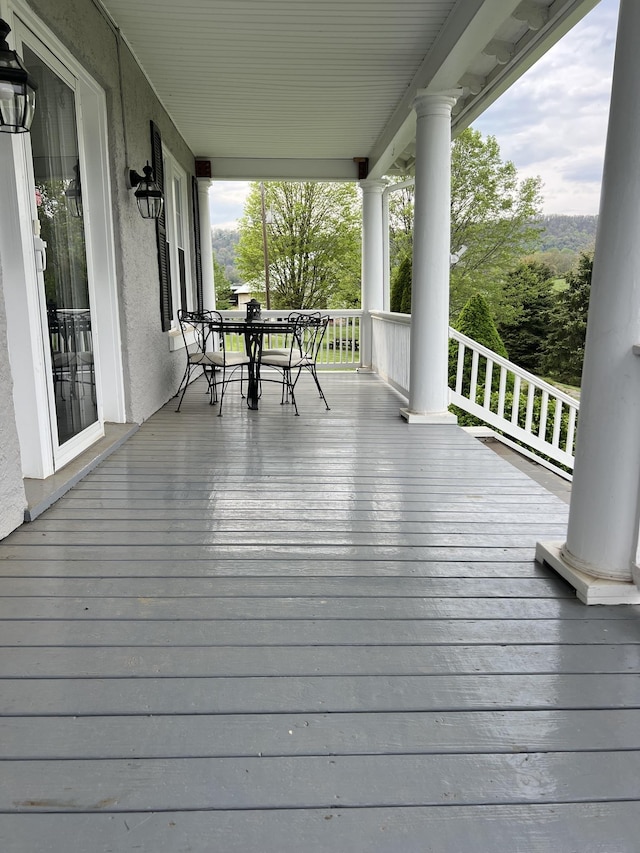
(54, 143)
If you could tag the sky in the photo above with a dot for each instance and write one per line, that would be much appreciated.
(551, 123)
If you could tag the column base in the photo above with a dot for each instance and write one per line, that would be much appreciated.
(589, 590)
(428, 417)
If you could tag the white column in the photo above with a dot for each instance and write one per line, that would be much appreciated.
(428, 380)
(206, 250)
(603, 521)
(372, 262)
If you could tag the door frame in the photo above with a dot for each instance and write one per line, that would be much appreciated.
(26, 313)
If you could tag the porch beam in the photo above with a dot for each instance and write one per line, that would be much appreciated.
(602, 536)
(428, 380)
(283, 169)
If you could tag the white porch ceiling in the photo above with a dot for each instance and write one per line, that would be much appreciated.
(298, 88)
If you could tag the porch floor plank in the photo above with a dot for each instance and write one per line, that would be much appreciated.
(325, 633)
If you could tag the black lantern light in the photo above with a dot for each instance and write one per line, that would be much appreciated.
(148, 193)
(254, 310)
(17, 88)
(73, 194)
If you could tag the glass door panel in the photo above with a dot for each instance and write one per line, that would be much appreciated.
(54, 144)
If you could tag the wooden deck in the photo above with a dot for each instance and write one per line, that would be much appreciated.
(267, 634)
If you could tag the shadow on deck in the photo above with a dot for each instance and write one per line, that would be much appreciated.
(266, 634)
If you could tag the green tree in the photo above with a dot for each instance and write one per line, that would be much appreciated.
(223, 288)
(400, 225)
(475, 321)
(313, 244)
(400, 296)
(531, 301)
(568, 327)
(559, 261)
(493, 214)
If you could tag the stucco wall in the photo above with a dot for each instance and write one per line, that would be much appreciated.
(152, 372)
(12, 498)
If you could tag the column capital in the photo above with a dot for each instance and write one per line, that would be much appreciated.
(372, 186)
(435, 103)
(204, 185)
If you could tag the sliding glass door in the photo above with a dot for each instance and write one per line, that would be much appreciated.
(68, 329)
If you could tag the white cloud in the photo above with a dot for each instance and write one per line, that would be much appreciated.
(226, 203)
(553, 121)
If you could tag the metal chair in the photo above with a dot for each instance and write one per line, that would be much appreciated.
(204, 342)
(291, 318)
(302, 354)
(227, 361)
(71, 342)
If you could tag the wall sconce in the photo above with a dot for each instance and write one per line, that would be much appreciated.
(73, 194)
(17, 88)
(148, 193)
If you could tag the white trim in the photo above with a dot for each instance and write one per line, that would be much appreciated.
(27, 354)
(178, 236)
(590, 590)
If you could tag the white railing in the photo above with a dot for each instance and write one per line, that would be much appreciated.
(391, 348)
(527, 410)
(340, 346)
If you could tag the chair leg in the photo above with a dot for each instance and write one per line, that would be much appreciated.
(184, 378)
(312, 371)
(184, 388)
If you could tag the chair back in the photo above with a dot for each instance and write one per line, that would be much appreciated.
(198, 330)
(308, 333)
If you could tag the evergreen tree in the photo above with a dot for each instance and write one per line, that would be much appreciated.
(531, 300)
(475, 321)
(568, 328)
(400, 296)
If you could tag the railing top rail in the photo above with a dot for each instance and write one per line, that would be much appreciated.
(393, 317)
(241, 313)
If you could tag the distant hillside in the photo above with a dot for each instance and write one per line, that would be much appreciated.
(577, 233)
(224, 244)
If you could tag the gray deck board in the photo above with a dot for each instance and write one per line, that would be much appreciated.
(321, 631)
(583, 827)
(467, 732)
(72, 661)
(298, 782)
(324, 633)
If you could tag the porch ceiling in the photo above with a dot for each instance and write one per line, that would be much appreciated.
(298, 88)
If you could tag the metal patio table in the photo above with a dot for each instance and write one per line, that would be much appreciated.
(254, 332)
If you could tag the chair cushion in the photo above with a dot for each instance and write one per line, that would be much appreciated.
(235, 358)
(284, 361)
